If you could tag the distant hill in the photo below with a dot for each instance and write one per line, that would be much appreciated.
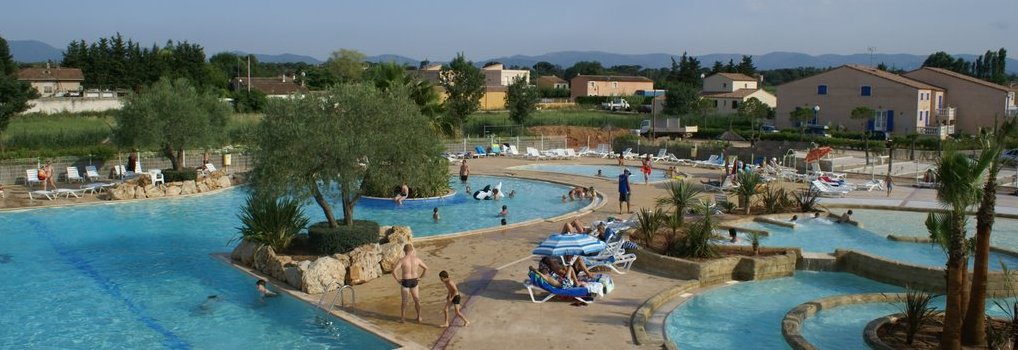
(31, 51)
(773, 60)
(282, 58)
(393, 58)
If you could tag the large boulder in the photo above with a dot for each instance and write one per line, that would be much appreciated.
(223, 182)
(262, 256)
(295, 274)
(390, 253)
(139, 192)
(124, 191)
(154, 192)
(173, 190)
(398, 234)
(188, 187)
(323, 275)
(364, 264)
(244, 253)
(202, 187)
(276, 266)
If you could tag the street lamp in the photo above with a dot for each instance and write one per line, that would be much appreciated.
(890, 154)
(816, 114)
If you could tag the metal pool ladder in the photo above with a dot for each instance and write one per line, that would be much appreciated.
(338, 295)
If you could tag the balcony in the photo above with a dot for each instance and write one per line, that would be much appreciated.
(941, 131)
(946, 114)
(1011, 111)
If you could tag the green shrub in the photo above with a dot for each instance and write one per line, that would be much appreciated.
(916, 310)
(808, 200)
(182, 175)
(698, 240)
(272, 222)
(342, 239)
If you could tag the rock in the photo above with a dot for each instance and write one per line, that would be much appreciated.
(323, 275)
(276, 266)
(139, 192)
(188, 187)
(401, 234)
(122, 192)
(202, 187)
(344, 258)
(155, 192)
(224, 182)
(364, 264)
(262, 257)
(294, 275)
(383, 234)
(244, 252)
(390, 253)
(173, 191)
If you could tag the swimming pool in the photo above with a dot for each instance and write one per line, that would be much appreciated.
(910, 223)
(460, 212)
(134, 276)
(609, 172)
(824, 236)
(749, 314)
(842, 327)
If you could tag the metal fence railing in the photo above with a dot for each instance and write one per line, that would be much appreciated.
(12, 171)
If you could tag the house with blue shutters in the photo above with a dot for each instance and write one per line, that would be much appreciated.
(903, 105)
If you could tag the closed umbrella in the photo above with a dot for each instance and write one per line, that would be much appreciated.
(569, 244)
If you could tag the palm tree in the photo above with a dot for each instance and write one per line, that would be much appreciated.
(957, 189)
(866, 114)
(650, 221)
(680, 196)
(749, 183)
(973, 332)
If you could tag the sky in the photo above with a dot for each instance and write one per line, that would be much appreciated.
(437, 30)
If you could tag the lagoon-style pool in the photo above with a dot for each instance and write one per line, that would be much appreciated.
(137, 274)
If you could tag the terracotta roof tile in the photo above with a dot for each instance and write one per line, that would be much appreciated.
(624, 78)
(740, 93)
(957, 75)
(552, 79)
(893, 77)
(270, 86)
(51, 74)
(737, 76)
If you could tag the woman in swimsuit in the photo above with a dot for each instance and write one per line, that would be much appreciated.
(646, 169)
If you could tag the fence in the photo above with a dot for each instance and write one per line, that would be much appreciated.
(13, 171)
(521, 142)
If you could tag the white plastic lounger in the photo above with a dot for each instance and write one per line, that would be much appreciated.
(68, 192)
(91, 173)
(32, 176)
(620, 264)
(48, 194)
(73, 176)
(827, 190)
(532, 153)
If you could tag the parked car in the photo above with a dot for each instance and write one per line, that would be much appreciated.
(879, 135)
(1010, 156)
(819, 130)
(769, 129)
(616, 104)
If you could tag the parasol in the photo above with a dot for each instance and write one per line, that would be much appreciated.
(569, 244)
(817, 153)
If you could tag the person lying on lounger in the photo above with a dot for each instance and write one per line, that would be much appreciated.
(574, 226)
(578, 266)
(556, 274)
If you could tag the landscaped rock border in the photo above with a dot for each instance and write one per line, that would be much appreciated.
(142, 187)
(638, 322)
(791, 325)
(328, 273)
(715, 271)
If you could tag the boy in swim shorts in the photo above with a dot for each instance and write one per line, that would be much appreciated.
(452, 299)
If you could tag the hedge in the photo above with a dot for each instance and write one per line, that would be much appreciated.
(183, 175)
(327, 241)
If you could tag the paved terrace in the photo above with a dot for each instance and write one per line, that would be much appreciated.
(490, 268)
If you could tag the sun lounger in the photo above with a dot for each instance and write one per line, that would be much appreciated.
(91, 173)
(618, 263)
(827, 191)
(578, 293)
(32, 176)
(715, 161)
(532, 153)
(873, 185)
(72, 175)
(512, 151)
(48, 194)
(727, 184)
(96, 187)
(496, 150)
(604, 150)
(571, 154)
(478, 151)
(67, 192)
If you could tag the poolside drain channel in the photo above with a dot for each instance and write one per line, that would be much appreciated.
(72, 258)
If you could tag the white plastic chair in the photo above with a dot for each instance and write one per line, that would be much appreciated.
(157, 176)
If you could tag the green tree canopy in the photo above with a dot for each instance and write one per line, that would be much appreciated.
(464, 85)
(389, 76)
(343, 144)
(681, 98)
(521, 100)
(584, 68)
(347, 65)
(171, 115)
(14, 94)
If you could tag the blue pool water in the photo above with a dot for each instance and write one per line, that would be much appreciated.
(748, 314)
(908, 223)
(824, 236)
(533, 200)
(134, 275)
(841, 327)
(610, 172)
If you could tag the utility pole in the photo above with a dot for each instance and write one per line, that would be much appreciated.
(249, 74)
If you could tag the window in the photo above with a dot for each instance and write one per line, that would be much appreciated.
(715, 103)
(735, 104)
(880, 122)
(865, 90)
(724, 85)
(615, 85)
(47, 89)
(821, 89)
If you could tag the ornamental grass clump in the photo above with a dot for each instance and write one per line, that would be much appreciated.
(272, 222)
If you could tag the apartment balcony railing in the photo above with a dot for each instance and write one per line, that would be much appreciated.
(946, 114)
(941, 131)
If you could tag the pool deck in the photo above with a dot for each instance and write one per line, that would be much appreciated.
(490, 268)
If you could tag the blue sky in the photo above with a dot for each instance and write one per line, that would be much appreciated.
(438, 29)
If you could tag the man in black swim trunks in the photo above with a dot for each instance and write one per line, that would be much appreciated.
(406, 274)
(464, 171)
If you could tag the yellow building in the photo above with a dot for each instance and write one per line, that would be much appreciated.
(53, 82)
(496, 82)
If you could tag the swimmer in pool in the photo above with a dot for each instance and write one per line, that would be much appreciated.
(263, 291)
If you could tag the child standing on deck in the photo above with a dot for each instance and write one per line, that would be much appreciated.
(451, 300)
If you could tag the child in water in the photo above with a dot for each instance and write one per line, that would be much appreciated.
(434, 215)
(504, 212)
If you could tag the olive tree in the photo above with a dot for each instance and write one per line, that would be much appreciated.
(521, 100)
(344, 143)
(172, 115)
